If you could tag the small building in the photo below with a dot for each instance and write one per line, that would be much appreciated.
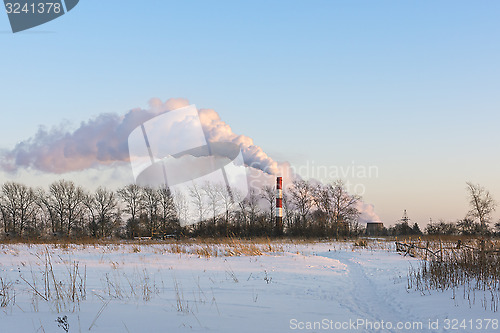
(374, 228)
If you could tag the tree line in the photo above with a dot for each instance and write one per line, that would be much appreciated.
(67, 210)
(462, 227)
(477, 221)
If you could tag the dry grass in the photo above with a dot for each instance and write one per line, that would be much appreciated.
(471, 273)
(64, 292)
(206, 247)
(448, 246)
(227, 247)
(5, 293)
(181, 304)
(361, 242)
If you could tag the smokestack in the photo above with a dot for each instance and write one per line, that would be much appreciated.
(279, 206)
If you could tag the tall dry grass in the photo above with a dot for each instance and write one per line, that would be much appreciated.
(63, 292)
(471, 272)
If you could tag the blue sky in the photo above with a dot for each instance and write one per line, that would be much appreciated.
(411, 87)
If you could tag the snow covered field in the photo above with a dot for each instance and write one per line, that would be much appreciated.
(146, 288)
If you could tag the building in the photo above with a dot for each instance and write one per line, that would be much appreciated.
(374, 228)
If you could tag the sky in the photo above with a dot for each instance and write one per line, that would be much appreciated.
(410, 89)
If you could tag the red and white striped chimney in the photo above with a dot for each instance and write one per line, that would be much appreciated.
(279, 205)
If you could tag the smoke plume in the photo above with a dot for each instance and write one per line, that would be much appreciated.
(367, 213)
(103, 140)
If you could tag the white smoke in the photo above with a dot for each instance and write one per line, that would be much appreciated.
(367, 213)
(98, 141)
(103, 140)
(218, 131)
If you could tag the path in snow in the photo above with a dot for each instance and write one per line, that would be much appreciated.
(362, 298)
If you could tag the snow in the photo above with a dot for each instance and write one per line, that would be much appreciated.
(146, 288)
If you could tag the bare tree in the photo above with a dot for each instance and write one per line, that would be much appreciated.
(212, 193)
(167, 209)
(48, 209)
(89, 203)
(301, 195)
(227, 201)
(105, 206)
(181, 207)
(5, 216)
(323, 200)
(197, 199)
(39, 219)
(269, 195)
(249, 208)
(344, 211)
(64, 202)
(287, 211)
(468, 226)
(18, 207)
(131, 195)
(481, 204)
(151, 202)
(253, 206)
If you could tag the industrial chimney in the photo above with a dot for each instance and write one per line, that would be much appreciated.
(279, 206)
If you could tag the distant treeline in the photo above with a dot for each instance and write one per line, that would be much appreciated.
(66, 210)
(463, 227)
(477, 221)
